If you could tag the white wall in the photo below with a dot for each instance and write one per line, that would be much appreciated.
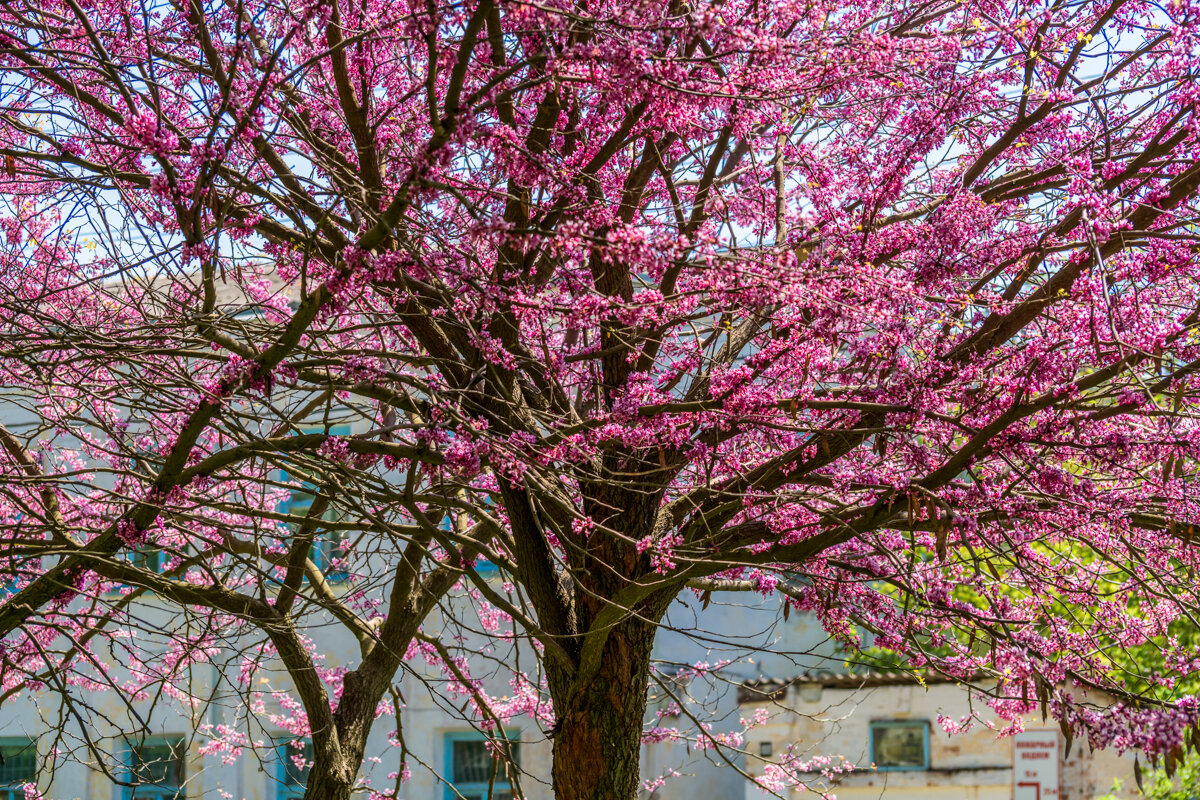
(976, 765)
(749, 631)
(426, 718)
(746, 630)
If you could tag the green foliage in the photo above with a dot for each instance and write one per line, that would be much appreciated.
(1141, 669)
(1158, 786)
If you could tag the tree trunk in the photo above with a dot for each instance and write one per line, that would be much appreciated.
(338, 754)
(335, 768)
(325, 783)
(598, 745)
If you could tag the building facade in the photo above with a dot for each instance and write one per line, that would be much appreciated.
(95, 745)
(887, 726)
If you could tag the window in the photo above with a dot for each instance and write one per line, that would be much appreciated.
(900, 745)
(148, 558)
(470, 767)
(18, 766)
(483, 566)
(155, 770)
(765, 749)
(145, 556)
(295, 762)
(17, 568)
(325, 552)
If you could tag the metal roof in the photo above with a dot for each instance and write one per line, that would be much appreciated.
(761, 691)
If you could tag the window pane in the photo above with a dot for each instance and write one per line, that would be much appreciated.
(333, 558)
(328, 545)
(899, 745)
(158, 764)
(472, 762)
(148, 558)
(499, 792)
(296, 775)
(18, 763)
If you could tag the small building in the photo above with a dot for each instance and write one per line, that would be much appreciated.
(886, 724)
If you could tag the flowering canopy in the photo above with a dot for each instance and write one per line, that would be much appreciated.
(888, 307)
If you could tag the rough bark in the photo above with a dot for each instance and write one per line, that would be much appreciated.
(330, 779)
(598, 745)
(601, 708)
(336, 765)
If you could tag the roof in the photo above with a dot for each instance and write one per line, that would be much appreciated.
(761, 691)
(232, 296)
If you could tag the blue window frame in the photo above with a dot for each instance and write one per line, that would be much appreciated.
(470, 767)
(17, 567)
(156, 770)
(10, 581)
(18, 766)
(147, 557)
(294, 758)
(483, 567)
(898, 745)
(324, 552)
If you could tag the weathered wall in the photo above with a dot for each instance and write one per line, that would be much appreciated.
(975, 765)
(752, 623)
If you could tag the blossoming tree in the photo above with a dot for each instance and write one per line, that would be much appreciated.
(889, 308)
